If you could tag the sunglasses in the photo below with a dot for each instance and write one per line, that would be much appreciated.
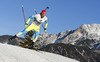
(43, 14)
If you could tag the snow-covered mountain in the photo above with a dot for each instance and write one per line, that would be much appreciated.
(9, 53)
(86, 31)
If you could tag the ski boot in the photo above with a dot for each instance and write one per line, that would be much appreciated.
(31, 45)
(12, 38)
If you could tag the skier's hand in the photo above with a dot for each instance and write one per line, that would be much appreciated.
(45, 30)
(26, 25)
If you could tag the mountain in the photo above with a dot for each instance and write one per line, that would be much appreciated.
(10, 53)
(4, 39)
(80, 53)
(84, 32)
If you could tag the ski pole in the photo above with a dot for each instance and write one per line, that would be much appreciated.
(35, 11)
(47, 8)
(23, 14)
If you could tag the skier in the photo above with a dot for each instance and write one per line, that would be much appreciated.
(35, 25)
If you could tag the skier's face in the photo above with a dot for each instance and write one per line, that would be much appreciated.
(42, 15)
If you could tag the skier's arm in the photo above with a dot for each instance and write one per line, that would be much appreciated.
(46, 24)
(31, 17)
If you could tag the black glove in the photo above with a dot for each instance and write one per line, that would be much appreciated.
(26, 25)
(45, 30)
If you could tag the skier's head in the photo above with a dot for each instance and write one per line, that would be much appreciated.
(43, 13)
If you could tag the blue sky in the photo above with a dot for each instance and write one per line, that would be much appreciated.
(62, 15)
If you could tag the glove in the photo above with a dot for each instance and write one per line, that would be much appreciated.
(45, 30)
(26, 25)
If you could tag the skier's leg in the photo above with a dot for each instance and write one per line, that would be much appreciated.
(36, 36)
(34, 39)
(25, 30)
(16, 35)
(22, 32)
(35, 29)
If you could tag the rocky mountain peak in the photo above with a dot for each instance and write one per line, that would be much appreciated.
(90, 31)
(90, 28)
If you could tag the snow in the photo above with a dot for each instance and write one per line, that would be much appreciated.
(92, 28)
(10, 53)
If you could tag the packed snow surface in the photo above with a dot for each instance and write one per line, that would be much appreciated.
(10, 53)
